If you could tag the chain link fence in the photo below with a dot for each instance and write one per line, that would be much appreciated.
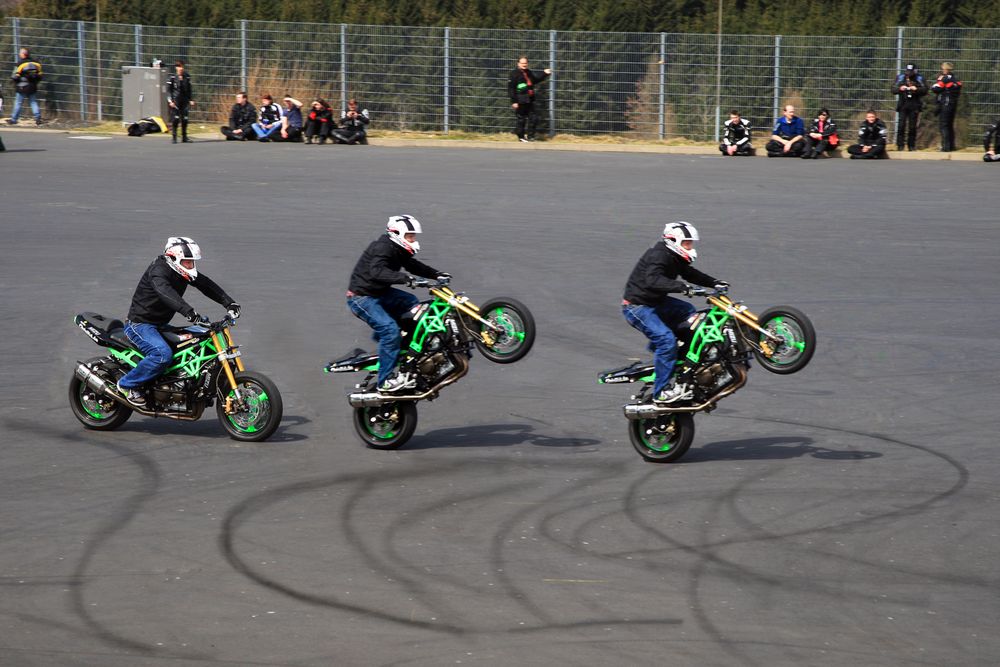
(657, 86)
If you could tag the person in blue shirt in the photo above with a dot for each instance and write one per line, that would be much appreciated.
(291, 120)
(788, 135)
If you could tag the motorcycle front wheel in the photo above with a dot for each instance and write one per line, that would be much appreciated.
(663, 439)
(93, 409)
(255, 416)
(797, 335)
(516, 332)
(386, 426)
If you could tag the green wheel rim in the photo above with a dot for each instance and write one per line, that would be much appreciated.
(91, 404)
(793, 340)
(256, 409)
(383, 429)
(512, 336)
(655, 440)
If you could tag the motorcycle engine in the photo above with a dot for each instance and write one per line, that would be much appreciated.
(171, 396)
(435, 366)
(713, 377)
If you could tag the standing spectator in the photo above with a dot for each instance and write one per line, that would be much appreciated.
(291, 120)
(521, 89)
(910, 87)
(241, 119)
(736, 136)
(788, 136)
(947, 88)
(872, 136)
(180, 99)
(822, 136)
(992, 134)
(352, 125)
(270, 119)
(26, 76)
(319, 122)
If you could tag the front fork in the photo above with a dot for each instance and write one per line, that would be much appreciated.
(224, 344)
(742, 314)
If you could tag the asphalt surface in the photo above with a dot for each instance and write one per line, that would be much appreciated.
(845, 515)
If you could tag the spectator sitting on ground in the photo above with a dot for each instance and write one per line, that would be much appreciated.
(241, 119)
(291, 120)
(871, 139)
(319, 121)
(992, 134)
(736, 136)
(822, 136)
(270, 119)
(788, 136)
(352, 125)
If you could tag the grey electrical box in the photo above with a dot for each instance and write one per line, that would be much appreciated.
(144, 93)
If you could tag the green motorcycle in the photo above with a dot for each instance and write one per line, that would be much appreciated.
(206, 368)
(715, 349)
(438, 338)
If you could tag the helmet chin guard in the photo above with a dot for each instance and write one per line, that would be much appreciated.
(178, 249)
(675, 233)
(401, 225)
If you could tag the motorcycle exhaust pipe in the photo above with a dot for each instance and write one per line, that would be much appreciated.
(93, 380)
(367, 399)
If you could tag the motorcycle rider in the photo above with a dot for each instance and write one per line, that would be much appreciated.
(648, 308)
(157, 297)
(373, 299)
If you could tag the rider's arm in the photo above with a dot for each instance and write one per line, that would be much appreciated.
(418, 268)
(380, 271)
(211, 289)
(693, 275)
(169, 296)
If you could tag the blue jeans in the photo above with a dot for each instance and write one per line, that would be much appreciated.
(19, 102)
(158, 354)
(381, 313)
(265, 132)
(657, 325)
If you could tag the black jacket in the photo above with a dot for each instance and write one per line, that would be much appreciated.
(828, 132)
(909, 100)
(992, 134)
(655, 276)
(160, 294)
(947, 88)
(528, 77)
(736, 133)
(356, 124)
(872, 134)
(242, 115)
(379, 266)
(179, 90)
(26, 76)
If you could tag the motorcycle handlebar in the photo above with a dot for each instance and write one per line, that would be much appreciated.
(426, 282)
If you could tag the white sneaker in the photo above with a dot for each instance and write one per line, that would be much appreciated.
(396, 383)
(131, 395)
(673, 393)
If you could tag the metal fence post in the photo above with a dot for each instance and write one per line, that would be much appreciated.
(15, 25)
(777, 74)
(138, 45)
(343, 66)
(243, 54)
(899, 64)
(447, 73)
(663, 61)
(552, 83)
(81, 63)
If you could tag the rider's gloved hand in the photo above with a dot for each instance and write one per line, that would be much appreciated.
(721, 286)
(444, 278)
(688, 290)
(412, 281)
(234, 310)
(195, 318)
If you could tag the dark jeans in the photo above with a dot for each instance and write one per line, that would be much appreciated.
(526, 123)
(315, 128)
(876, 152)
(346, 135)
(946, 123)
(158, 353)
(777, 149)
(816, 147)
(657, 324)
(381, 314)
(907, 128)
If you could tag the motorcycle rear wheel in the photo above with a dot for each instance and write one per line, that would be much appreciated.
(518, 330)
(798, 340)
(663, 439)
(386, 426)
(94, 411)
(261, 413)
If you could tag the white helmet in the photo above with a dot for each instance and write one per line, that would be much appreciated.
(399, 226)
(180, 248)
(676, 232)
